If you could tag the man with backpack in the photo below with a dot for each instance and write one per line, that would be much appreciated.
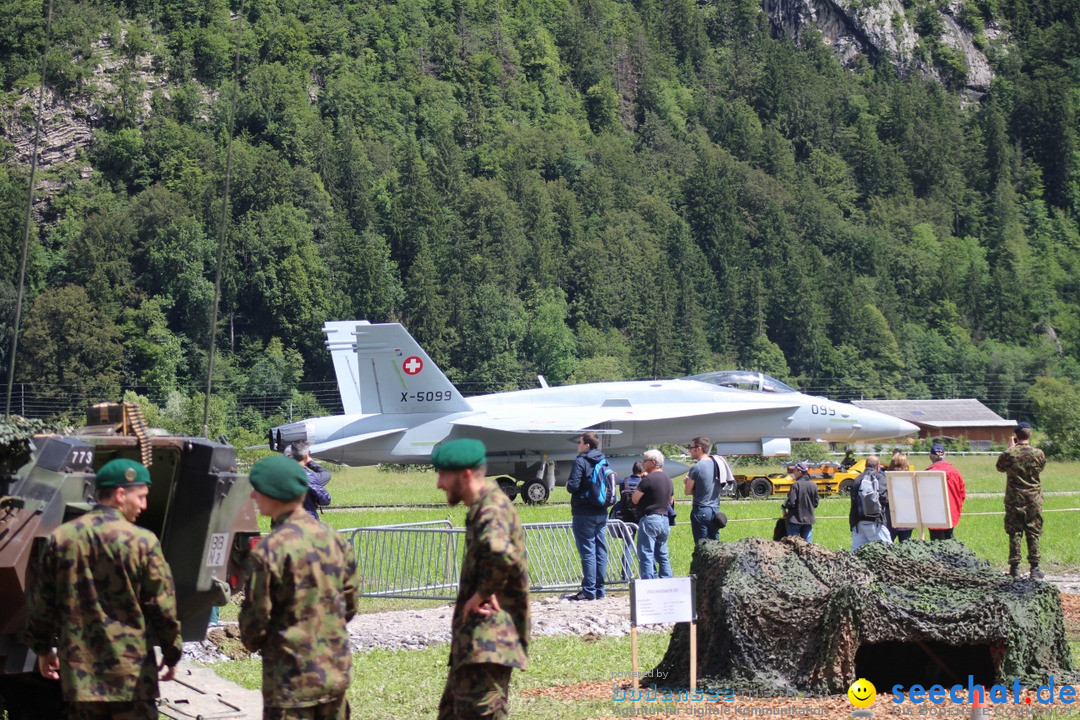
(706, 481)
(588, 511)
(869, 506)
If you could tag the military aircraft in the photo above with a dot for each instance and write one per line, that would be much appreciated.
(398, 405)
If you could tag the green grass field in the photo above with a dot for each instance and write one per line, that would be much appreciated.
(408, 683)
(377, 487)
(983, 533)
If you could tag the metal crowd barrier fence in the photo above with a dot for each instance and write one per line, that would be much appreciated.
(412, 560)
(422, 560)
(554, 563)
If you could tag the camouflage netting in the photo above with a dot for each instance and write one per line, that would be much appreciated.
(15, 435)
(786, 617)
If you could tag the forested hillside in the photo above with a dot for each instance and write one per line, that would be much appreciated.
(587, 189)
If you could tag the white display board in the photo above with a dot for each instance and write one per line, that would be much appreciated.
(918, 499)
(662, 600)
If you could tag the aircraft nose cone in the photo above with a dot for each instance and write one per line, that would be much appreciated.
(674, 468)
(875, 425)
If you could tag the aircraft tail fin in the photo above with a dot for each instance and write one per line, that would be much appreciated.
(341, 341)
(386, 371)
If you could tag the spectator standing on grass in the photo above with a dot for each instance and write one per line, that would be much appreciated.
(800, 503)
(625, 510)
(899, 462)
(1022, 464)
(589, 523)
(955, 485)
(653, 496)
(705, 482)
(869, 506)
(490, 630)
(317, 495)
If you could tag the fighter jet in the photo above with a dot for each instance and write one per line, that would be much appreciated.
(398, 405)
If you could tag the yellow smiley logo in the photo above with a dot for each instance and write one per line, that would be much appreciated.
(862, 693)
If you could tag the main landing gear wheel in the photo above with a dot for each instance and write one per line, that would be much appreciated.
(760, 488)
(508, 486)
(535, 493)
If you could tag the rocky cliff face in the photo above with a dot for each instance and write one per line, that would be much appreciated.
(882, 31)
(67, 122)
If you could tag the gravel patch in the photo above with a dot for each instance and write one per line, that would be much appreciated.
(205, 653)
(418, 629)
(551, 615)
(1065, 583)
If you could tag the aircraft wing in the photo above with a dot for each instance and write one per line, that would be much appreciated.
(541, 421)
(669, 411)
(569, 420)
(352, 440)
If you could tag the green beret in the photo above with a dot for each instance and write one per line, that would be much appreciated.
(122, 472)
(279, 477)
(461, 454)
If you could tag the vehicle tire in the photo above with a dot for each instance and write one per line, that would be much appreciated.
(508, 486)
(535, 492)
(845, 486)
(760, 487)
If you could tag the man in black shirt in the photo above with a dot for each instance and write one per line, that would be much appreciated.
(801, 500)
(653, 496)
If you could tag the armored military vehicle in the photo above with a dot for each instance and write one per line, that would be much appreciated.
(199, 506)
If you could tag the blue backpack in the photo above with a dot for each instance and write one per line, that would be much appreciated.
(601, 489)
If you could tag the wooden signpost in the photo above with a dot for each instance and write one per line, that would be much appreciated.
(918, 499)
(659, 601)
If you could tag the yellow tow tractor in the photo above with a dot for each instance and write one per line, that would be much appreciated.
(830, 477)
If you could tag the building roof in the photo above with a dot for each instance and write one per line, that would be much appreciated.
(967, 412)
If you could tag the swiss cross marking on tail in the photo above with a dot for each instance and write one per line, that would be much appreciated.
(412, 365)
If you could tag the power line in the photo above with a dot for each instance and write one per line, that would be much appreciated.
(29, 209)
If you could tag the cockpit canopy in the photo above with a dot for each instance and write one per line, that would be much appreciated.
(743, 380)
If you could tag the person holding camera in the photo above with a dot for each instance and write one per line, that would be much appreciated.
(317, 495)
(1022, 464)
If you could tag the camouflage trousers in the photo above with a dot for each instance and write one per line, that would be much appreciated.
(131, 710)
(477, 690)
(1023, 516)
(334, 710)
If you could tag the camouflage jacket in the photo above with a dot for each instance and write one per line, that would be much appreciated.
(494, 565)
(104, 598)
(1022, 465)
(300, 594)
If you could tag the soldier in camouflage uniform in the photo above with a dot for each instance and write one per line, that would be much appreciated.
(1022, 464)
(104, 597)
(299, 596)
(490, 629)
